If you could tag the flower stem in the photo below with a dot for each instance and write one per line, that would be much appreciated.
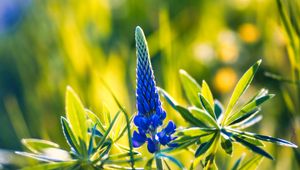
(159, 165)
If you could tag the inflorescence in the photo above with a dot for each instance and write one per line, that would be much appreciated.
(150, 114)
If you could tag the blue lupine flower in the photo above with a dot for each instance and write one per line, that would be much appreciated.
(11, 12)
(150, 114)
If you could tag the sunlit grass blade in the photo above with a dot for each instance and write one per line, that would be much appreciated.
(203, 116)
(76, 115)
(105, 135)
(69, 135)
(99, 147)
(205, 104)
(250, 106)
(127, 122)
(170, 158)
(124, 129)
(252, 164)
(191, 88)
(240, 88)
(38, 145)
(51, 166)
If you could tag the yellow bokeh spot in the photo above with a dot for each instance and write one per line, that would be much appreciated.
(228, 52)
(225, 79)
(249, 33)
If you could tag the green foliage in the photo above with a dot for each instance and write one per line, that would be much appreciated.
(89, 140)
(211, 126)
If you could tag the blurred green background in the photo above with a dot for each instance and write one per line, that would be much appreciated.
(46, 45)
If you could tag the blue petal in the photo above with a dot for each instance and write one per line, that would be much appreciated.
(156, 121)
(141, 122)
(170, 128)
(151, 146)
(138, 139)
(164, 139)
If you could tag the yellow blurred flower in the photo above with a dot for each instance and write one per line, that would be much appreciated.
(225, 79)
(228, 50)
(249, 33)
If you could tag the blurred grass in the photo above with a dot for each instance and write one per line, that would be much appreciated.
(46, 45)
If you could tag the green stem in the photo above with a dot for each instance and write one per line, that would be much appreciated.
(158, 161)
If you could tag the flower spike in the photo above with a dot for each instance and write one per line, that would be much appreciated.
(150, 114)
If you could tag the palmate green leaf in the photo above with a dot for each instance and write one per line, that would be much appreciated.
(91, 142)
(245, 117)
(105, 135)
(180, 145)
(95, 120)
(237, 163)
(195, 132)
(250, 106)
(205, 104)
(247, 123)
(185, 113)
(203, 116)
(207, 94)
(204, 147)
(122, 155)
(121, 161)
(170, 158)
(240, 88)
(188, 116)
(252, 164)
(127, 122)
(76, 115)
(48, 157)
(191, 88)
(218, 107)
(226, 144)
(251, 140)
(114, 167)
(252, 147)
(69, 135)
(50, 166)
(38, 145)
(148, 165)
(277, 141)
